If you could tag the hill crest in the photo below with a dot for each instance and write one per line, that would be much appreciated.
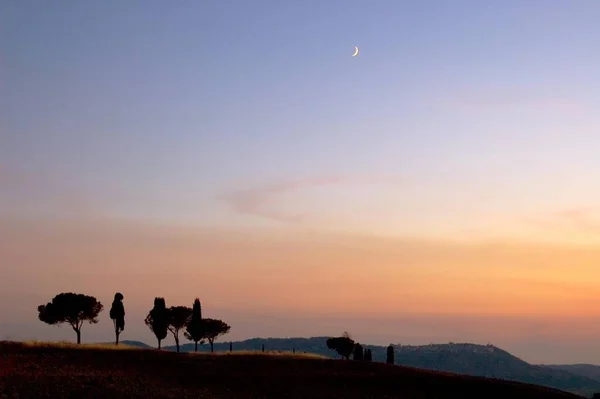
(79, 371)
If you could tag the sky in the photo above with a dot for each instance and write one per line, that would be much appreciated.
(440, 186)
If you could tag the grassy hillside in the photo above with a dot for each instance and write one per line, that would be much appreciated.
(461, 358)
(35, 371)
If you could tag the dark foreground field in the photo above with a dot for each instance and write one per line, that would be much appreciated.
(63, 372)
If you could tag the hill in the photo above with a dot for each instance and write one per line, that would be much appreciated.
(464, 358)
(490, 361)
(135, 344)
(588, 370)
(62, 371)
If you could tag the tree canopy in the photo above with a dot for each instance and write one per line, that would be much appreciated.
(75, 309)
(71, 308)
(157, 319)
(343, 345)
(178, 317)
(214, 328)
(195, 329)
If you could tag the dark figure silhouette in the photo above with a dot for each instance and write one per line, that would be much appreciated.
(117, 314)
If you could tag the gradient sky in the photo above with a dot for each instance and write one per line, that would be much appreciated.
(441, 186)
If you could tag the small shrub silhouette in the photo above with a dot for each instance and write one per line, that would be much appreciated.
(71, 308)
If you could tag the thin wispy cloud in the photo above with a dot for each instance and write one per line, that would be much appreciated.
(261, 201)
(582, 219)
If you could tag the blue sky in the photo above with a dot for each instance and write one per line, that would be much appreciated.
(154, 107)
(156, 110)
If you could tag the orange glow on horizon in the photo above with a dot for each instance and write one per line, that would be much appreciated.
(304, 273)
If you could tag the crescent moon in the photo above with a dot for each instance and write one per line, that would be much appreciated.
(355, 51)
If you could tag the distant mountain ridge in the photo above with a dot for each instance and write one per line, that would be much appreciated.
(460, 358)
(588, 370)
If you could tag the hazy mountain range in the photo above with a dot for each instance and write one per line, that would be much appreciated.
(462, 358)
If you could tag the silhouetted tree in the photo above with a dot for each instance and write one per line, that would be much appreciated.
(263, 348)
(178, 317)
(71, 308)
(117, 314)
(389, 359)
(368, 357)
(214, 328)
(358, 352)
(157, 320)
(343, 345)
(231, 347)
(194, 331)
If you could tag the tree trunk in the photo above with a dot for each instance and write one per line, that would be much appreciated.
(177, 342)
(195, 346)
(117, 338)
(159, 344)
(211, 346)
(78, 331)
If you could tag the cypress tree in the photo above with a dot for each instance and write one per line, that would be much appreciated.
(194, 329)
(157, 320)
(358, 352)
(390, 355)
(117, 314)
